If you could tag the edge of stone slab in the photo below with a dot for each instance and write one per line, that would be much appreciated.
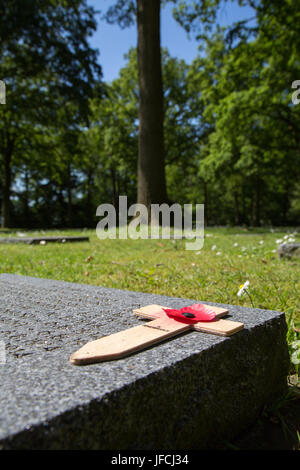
(43, 280)
(37, 240)
(56, 427)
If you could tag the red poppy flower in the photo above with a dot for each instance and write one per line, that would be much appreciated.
(192, 314)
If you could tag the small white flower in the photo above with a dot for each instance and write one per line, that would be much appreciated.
(197, 252)
(273, 251)
(261, 242)
(219, 253)
(214, 247)
(243, 248)
(291, 240)
(243, 287)
(279, 241)
(285, 237)
(235, 244)
(43, 242)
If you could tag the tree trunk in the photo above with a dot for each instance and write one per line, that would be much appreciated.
(6, 187)
(151, 166)
(237, 218)
(26, 199)
(69, 193)
(89, 209)
(255, 222)
(62, 208)
(245, 212)
(114, 186)
(206, 213)
(285, 205)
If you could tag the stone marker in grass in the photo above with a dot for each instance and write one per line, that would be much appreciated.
(195, 391)
(289, 250)
(43, 240)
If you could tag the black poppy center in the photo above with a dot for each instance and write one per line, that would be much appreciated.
(188, 315)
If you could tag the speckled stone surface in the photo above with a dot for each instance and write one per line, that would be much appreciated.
(190, 392)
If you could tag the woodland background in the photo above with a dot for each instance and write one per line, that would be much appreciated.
(69, 141)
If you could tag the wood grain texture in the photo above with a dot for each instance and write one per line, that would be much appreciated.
(128, 341)
(219, 327)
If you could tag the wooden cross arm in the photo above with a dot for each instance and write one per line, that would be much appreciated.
(216, 327)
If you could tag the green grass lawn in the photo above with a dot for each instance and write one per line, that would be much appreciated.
(228, 258)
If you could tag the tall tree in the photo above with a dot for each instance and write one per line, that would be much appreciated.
(151, 155)
(151, 158)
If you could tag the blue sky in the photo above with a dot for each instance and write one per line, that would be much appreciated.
(113, 42)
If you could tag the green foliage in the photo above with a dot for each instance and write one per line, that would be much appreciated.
(49, 70)
(246, 97)
(231, 131)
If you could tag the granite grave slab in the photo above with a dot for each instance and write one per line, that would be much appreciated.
(38, 240)
(191, 392)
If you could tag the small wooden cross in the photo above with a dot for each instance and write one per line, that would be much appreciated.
(161, 327)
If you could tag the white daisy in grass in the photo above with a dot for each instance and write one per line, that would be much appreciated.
(214, 247)
(235, 244)
(279, 241)
(243, 287)
(261, 242)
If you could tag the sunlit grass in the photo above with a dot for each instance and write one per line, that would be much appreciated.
(228, 258)
(213, 273)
